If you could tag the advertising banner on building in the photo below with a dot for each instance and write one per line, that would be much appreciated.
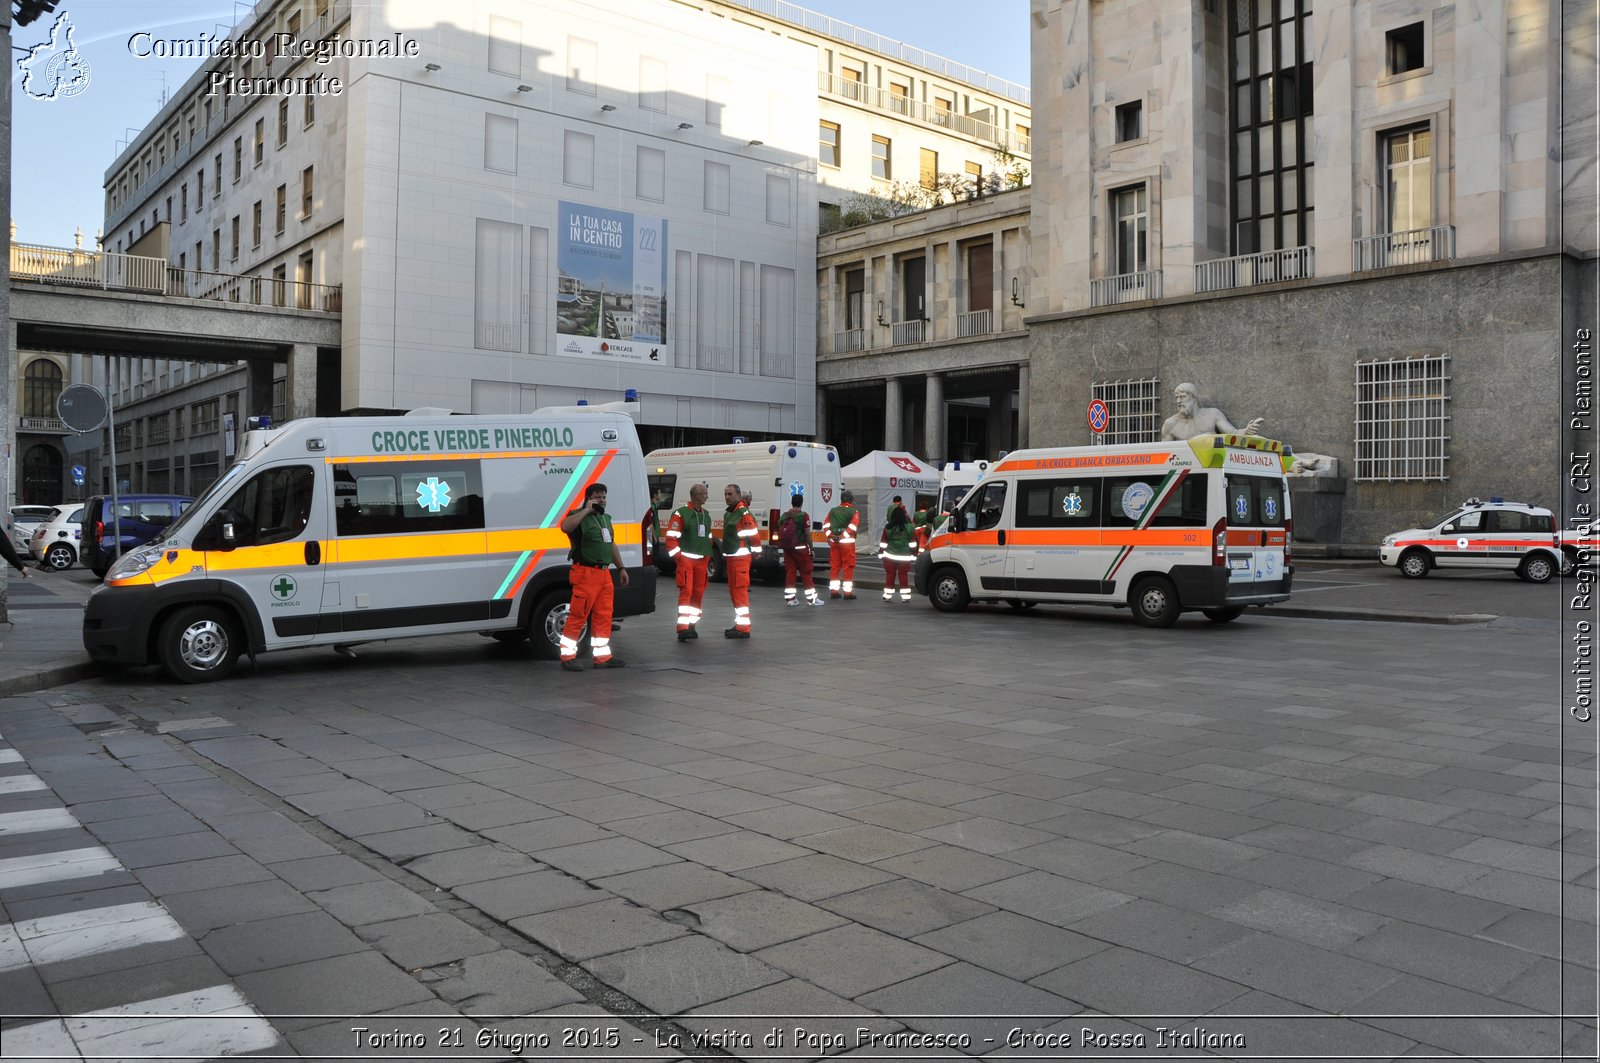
(611, 284)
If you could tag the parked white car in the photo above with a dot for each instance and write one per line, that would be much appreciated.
(56, 542)
(22, 521)
(1511, 536)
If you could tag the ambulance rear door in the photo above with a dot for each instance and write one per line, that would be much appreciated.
(1257, 502)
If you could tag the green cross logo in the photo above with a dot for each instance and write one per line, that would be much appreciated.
(284, 587)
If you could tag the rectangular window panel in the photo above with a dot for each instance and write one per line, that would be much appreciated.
(1069, 503)
(505, 46)
(778, 196)
(828, 144)
(778, 324)
(716, 314)
(1135, 410)
(652, 84)
(577, 167)
(1403, 419)
(402, 498)
(497, 291)
(582, 62)
(1131, 216)
(719, 90)
(1409, 185)
(650, 172)
(718, 178)
(880, 159)
(500, 143)
(928, 169)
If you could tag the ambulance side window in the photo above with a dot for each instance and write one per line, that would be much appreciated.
(1058, 503)
(403, 498)
(1470, 521)
(1128, 499)
(1186, 507)
(272, 506)
(988, 504)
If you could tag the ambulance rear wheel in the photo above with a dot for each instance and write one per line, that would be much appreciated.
(1154, 602)
(948, 589)
(1414, 564)
(1020, 605)
(199, 644)
(1537, 568)
(548, 619)
(1224, 614)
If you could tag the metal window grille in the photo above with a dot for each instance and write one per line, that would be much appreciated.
(1403, 419)
(1135, 414)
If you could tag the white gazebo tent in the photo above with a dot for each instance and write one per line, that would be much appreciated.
(877, 478)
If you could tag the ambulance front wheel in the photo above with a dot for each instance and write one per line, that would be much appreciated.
(948, 589)
(1414, 564)
(199, 644)
(1155, 602)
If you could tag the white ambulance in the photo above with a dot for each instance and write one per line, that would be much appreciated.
(336, 531)
(1159, 528)
(771, 472)
(957, 478)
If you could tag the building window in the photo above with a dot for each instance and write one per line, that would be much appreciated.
(233, 246)
(505, 46)
(216, 189)
(942, 109)
(651, 173)
(1403, 49)
(718, 178)
(975, 178)
(302, 281)
(582, 59)
(260, 151)
(899, 98)
(199, 186)
(1135, 410)
(1408, 179)
(281, 219)
(1403, 419)
(307, 187)
(1269, 122)
(880, 158)
(778, 196)
(497, 286)
(928, 171)
(238, 160)
(851, 85)
(1130, 121)
(255, 225)
(828, 144)
(283, 122)
(652, 84)
(719, 90)
(1131, 215)
(216, 247)
(41, 387)
(294, 25)
(855, 291)
(500, 143)
(199, 261)
(280, 285)
(311, 110)
(577, 166)
(183, 202)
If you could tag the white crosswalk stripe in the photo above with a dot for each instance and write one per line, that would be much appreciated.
(199, 1024)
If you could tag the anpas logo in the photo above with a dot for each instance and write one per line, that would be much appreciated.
(49, 74)
(548, 467)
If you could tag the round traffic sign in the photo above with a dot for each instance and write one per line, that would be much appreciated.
(81, 407)
(1099, 416)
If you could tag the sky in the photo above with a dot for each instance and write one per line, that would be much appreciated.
(60, 148)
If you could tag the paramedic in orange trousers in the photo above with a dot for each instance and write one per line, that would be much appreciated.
(594, 547)
(689, 546)
(797, 558)
(741, 541)
(840, 526)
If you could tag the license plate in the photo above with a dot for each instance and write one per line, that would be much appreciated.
(1239, 564)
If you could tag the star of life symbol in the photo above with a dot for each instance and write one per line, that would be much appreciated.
(1271, 506)
(48, 74)
(1241, 507)
(1073, 503)
(433, 494)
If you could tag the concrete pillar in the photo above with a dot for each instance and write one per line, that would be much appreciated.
(822, 416)
(893, 415)
(1022, 407)
(933, 421)
(998, 428)
(300, 389)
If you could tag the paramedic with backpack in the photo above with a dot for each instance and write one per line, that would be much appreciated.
(794, 538)
(840, 526)
(594, 547)
(897, 545)
(741, 541)
(689, 546)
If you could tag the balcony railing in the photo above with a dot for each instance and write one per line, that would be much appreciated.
(153, 276)
(974, 323)
(1407, 248)
(849, 340)
(916, 110)
(1243, 271)
(902, 332)
(1125, 288)
(41, 424)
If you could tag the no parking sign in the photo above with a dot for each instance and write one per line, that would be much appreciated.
(1099, 416)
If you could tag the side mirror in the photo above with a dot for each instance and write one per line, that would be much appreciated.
(226, 535)
(1448, 527)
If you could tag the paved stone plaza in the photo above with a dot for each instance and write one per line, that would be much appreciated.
(902, 833)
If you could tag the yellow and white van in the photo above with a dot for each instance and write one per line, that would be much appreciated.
(1156, 527)
(771, 471)
(336, 531)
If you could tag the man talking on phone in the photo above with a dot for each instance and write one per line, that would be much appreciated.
(594, 549)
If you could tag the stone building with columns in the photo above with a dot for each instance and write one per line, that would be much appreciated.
(921, 342)
(1370, 222)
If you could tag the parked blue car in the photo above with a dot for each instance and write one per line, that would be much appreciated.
(138, 519)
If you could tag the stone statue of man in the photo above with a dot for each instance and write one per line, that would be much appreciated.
(1192, 419)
